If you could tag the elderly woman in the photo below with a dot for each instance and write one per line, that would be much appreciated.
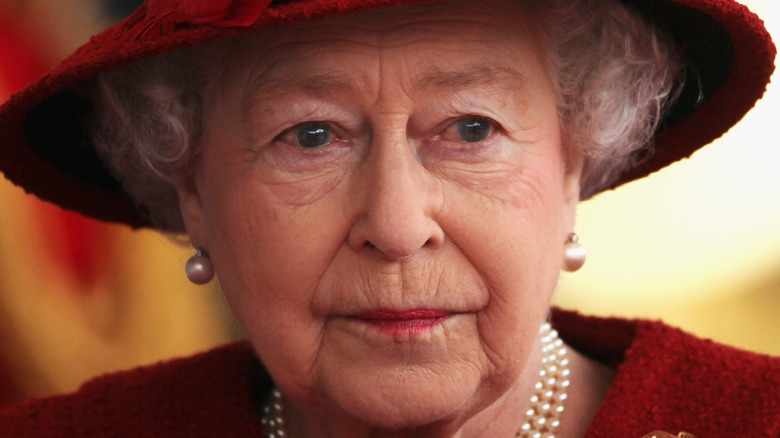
(387, 195)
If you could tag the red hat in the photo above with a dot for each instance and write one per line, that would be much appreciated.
(43, 147)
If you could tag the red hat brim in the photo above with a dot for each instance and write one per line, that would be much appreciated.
(729, 54)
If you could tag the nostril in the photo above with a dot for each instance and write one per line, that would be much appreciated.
(394, 242)
(389, 250)
(435, 240)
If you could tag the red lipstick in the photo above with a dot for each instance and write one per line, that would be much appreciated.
(409, 322)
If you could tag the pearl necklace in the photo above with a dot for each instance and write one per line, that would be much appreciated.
(543, 416)
(541, 419)
(273, 416)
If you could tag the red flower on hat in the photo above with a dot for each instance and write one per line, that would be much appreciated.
(160, 16)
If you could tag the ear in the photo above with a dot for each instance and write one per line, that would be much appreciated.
(192, 213)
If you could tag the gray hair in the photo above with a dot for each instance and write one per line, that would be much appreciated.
(615, 74)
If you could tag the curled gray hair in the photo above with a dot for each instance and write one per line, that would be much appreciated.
(615, 75)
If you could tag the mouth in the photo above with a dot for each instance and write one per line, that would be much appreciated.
(404, 322)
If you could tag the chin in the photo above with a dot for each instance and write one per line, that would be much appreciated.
(406, 416)
(411, 399)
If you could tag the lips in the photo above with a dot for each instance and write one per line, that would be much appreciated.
(404, 322)
(404, 315)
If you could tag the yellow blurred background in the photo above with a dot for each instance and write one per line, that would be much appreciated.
(80, 298)
(694, 245)
(698, 243)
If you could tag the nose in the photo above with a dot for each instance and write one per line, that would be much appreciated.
(396, 203)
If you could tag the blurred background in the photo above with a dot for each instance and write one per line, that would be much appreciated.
(77, 297)
(696, 245)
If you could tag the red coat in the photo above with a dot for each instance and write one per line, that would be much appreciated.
(665, 380)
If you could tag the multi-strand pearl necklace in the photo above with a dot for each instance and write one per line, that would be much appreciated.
(273, 416)
(541, 419)
(544, 415)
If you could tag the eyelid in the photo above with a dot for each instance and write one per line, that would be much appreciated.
(452, 124)
(272, 118)
(290, 135)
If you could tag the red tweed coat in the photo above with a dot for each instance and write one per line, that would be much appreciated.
(665, 380)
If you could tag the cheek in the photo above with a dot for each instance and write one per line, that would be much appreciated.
(513, 235)
(269, 257)
(262, 225)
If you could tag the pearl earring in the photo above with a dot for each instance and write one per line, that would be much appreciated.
(573, 253)
(199, 269)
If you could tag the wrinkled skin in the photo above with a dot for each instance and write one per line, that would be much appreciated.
(434, 177)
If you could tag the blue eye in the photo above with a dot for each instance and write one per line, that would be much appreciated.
(474, 129)
(314, 135)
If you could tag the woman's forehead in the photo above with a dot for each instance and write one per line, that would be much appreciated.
(482, 79)
(435, 46)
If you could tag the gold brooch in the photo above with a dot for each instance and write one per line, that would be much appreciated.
(660, 434)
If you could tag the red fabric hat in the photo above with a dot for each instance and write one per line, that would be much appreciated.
(43, 147)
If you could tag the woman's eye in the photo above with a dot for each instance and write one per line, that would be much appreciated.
(314, 135)
(469, 130)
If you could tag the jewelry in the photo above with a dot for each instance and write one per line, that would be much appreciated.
(573, 253)
(199, 268)
(541, 419)
(273, 416)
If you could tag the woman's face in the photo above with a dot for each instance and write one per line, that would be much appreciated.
(385, 199)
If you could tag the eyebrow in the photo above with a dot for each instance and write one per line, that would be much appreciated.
(325, 84)
(501, 77)
(342, 84)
